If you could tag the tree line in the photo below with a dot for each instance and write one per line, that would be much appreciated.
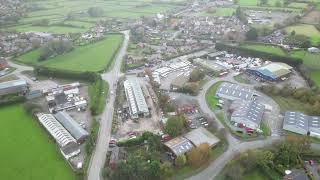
(304, 95)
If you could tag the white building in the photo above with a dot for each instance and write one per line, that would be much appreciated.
(300, 123)
(137, 103)
(56, 130)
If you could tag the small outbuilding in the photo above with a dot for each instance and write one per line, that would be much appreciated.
(201, 136)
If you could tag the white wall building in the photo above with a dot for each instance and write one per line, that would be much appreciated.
(137, 103)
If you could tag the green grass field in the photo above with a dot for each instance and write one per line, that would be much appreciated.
(298, 5)
(255, 175)
(256, 2)
(311, 60)
(315, 76)
(92, 57)
(307, 30)
(248, 2)
(265, 48)
(27, 153)
(290, 104)
(56, 11)
(210, 96)
(224, 12)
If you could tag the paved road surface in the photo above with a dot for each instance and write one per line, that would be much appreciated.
(235, 145)
(216, 166)
(100, 152)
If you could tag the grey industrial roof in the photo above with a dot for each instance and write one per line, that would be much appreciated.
(135, 96)
(234, 91)
(59, 133)
(249, 110)
(201, 135)
(73, 127)
(298, 120)
(13, 83)
(179, 145)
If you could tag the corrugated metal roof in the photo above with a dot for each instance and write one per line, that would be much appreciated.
(301, 121)
(13, 83)
(201, 136)
(73, 127)
(179, 145)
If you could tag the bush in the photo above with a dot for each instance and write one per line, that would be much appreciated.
(181, 160)
(52, 72)
(95, 11)
(40, 22)
(136, 141)
(55, 47)
(175, 125)
(98, 92)
(11, 99)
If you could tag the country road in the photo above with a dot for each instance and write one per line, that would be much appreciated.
(100, 152)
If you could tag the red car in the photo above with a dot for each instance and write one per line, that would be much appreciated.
(165, 137)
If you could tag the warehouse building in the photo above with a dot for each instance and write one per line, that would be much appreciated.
(271, 72)
(137, 103)
(66, 142)
(14, 86)
(72, 126)
(201, 136)
(183, 144)
(233, 92)
(56, 130)
(300, 123)
(247, 113)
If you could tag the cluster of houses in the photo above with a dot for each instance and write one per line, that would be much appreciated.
(212, 27)
(11, 10)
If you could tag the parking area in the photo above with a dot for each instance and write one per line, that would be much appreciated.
(267, 17)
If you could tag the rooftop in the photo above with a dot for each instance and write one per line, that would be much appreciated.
(275, 69)
(201, 136)
(13, 83)
(295, 121)
(249, 110)
(179, 145)
(72, 126)
(234, 91)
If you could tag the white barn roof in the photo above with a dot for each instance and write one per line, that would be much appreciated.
(56, 130)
